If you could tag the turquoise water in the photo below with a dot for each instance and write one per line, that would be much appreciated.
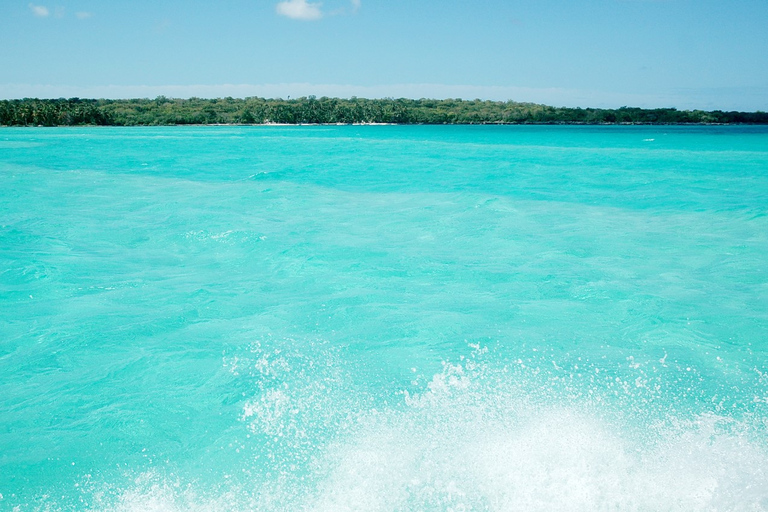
(384, 318)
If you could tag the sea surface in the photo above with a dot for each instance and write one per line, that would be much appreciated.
(384, 318)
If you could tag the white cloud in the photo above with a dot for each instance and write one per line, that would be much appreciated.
(355, 5)
(83, 15)
(39, 10)
(299, 10)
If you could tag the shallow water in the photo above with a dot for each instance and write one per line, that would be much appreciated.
(384, 318)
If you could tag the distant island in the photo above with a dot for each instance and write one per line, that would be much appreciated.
(312, 110)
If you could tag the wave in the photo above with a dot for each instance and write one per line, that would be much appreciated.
(478, 436)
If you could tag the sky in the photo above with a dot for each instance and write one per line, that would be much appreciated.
(686, 54)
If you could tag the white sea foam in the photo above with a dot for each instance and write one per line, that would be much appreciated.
(449, 450)
(475, 440)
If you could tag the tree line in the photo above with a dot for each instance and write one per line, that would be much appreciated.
(312, 110)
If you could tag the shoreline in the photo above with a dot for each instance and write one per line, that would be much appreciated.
(198, 125)
(311, 111)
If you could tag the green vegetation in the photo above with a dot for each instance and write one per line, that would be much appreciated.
(166, 111)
